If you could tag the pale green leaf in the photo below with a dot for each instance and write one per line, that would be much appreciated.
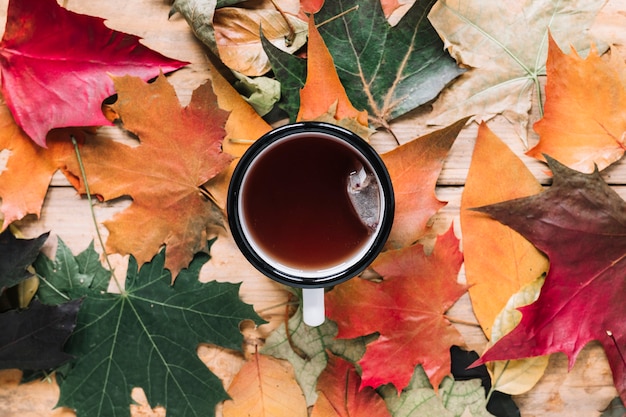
(454, 398)
(505, 45)
(306, 349)
(418, 399)
(260, 92)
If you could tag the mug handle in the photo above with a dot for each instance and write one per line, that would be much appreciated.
(313, 312)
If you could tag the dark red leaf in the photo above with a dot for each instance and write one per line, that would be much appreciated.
(33, 338)
(580, 223)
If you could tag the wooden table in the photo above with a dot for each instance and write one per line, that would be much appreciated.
(583, 391)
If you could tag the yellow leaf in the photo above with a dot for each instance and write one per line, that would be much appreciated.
(265, 386)
(494, 253)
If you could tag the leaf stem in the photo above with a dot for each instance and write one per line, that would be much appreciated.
(539, 95)
(291, 37)
(53, 288)
(494, 384)
(93, 213)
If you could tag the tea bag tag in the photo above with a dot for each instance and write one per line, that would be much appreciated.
(313, 312)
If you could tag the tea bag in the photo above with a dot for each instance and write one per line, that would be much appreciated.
(365, 197)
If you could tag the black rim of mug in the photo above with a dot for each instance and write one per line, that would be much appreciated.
(234, 219)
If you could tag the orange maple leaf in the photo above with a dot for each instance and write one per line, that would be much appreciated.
(29, 168)
(265, 386)
(407, 309)
(584, 122)
(243, 127)
(414, 168)
(179, 151)
(493, 252)
(323, 89)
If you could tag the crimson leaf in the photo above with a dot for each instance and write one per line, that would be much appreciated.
(56, 66)
(580, 223)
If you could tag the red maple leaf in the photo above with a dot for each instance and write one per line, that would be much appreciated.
(56, 66)
(580, 223)
(407, 309)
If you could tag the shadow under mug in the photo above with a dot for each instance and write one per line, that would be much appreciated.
(310, 205)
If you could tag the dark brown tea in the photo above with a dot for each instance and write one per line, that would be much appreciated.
(295, 203)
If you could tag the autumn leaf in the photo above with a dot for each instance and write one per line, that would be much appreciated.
(452, 399)
(290, 70)
(306, 347)
(244, 125)
(408, 310)
(323, 89)
(265, 386)
(385, 70)
(492, 251)
(414, 168)
(29, 169)
(579, 223)
(340, 393)
(238, 39)
(47, 62)
(583, 125)
(519, 376)
(147, 336)
(179, 151)
(505, 45)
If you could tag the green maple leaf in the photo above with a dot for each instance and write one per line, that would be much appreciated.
(387, 70)
(70, 277)
(147, 337)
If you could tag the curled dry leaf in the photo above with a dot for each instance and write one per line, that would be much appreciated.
(584, 123)
(238, 36)
(306, 349)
